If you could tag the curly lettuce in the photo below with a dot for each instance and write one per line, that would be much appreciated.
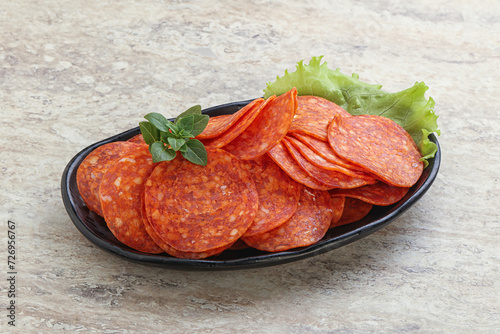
(409, 108)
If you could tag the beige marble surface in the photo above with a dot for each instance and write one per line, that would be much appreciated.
(74, 72)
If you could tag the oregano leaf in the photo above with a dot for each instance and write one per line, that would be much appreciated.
(149, 132)
(158, 120)
(160, 152)
(200, 123)
(191, 111)
(186, 124)
(195, 152)
(176, 143)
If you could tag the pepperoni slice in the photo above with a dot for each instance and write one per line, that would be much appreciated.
(332, 179)
(172, 251)
(93, 167)
(238, 245)
(121, 191)
(338, 203)
(380, 193)
(313, 115)
(217, 125)
(379, 145)
(268, 128)
(324, 150)
(237, 128)
(287, 163)
(321, 163)
(307, 226)
(354, 210)
(197, 209)
(278, 194)
(139, 139)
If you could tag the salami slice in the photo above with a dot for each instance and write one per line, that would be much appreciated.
(268, 128)
(278, 194)
(307, 226)
(380, 193)
(93, 167)
(321, 163)
(338, 208)
(121, 190)
(172, 251)
(287, 163)
(332, 179)
(237, 128)
(238, 245)
(217, 125)
(313, 115)
(379, 145)
(354, 210)
(324, 150)
(197, 209)
(139, 139)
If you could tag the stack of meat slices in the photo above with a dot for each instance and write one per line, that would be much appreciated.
(280, 173)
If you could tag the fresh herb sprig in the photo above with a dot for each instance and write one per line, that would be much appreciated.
(166, 138)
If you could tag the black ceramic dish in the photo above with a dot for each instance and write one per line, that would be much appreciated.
(94, 228)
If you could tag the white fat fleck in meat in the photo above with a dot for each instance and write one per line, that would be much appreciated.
(310, 193)
(106, 198)
(234, 231)
(264, 210)
(118, 181)
(223, 189)
(138, 180)
(127, 159)
(118, 222)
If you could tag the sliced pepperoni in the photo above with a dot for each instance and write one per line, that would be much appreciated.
(278, 194)
(121, 190)
(238, 245)
(313, 115)
(217, 125)
(379, 145)
(324, 150)
(197, 209)
(93, 167)
(172, 251)
(287, 163)
(139, 139)
(268, 128)
(321, 163)
(354, 210)
(338, 208)
(380, 193)
(307, 226)
(332, 179)
(238, 127)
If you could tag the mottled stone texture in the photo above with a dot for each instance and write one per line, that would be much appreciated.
(74, 72)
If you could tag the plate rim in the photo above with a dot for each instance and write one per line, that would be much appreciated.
(246, 262)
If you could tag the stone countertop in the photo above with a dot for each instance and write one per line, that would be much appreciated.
(75, 72)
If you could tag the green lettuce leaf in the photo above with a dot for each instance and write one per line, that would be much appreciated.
(409, 108)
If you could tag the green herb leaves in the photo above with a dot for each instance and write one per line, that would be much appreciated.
(166, 138)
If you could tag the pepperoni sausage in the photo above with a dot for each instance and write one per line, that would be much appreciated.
(268, 128)
(278, 194)
(307, 226)
(197, 209)
(313, 115)
(121, 190)
(379, 145)
(217, 125)
(93, 167)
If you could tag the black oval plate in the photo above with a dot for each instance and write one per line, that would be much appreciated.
(94, 228)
